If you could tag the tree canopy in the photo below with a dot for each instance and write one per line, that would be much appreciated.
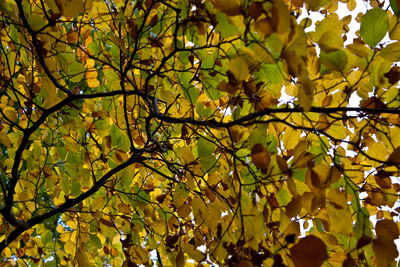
(186, 132)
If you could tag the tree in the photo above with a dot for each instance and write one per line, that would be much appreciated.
(138, 128)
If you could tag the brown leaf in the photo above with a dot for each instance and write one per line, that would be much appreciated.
(309, 251)
(327, 101)
(180, 259)
(171, 240)
(363, 241)
(315, 180)
(72, 37)
(386, 230)
(293, 208)
(334, 176)
(383, 182)
(283, 166)
(393, 75)
(349, 262)
(255, 10)
(395, 156)
(373, 103)
(184, 210)
(385, 252)
(260, 157)
(231, 8)
(106, 222)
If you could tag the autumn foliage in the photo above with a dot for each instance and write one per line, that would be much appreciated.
(187, 132)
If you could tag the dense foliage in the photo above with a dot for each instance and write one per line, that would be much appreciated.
(179, 132)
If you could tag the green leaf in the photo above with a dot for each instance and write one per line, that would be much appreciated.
(336, 60)
(208, 163)
(142, 196)
(76, 188)
(94, 48)
(272, 73)
(257, 136)
(76, 71)
(300, 174)
(395, 7)
(225, 27)
(283, 196)
(374, 26)
(205, 147)
(95, 241)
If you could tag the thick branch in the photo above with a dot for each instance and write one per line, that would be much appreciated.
(255, 115)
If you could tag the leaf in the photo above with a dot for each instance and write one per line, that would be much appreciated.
(77, 71)
(385, 252)
(395, 156)
(70, 8)
(180, 259)
(337, 198)
(265, 27)
(260, 157)
(238, 67)
(217, 131)
(293, 208)
(205, 147)
(374, 26)
(340, 220)
(391, 52)
(230, 8)
(225, 27)
(309, 251)
(336, 60)
(395, 5)
(386, 230)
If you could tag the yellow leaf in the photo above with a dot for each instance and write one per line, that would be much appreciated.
(337, 198)
(391, 52)
(71, 8)
(70, 247)
(4, 139)
(360, 50)
(265, 27)
(338, 130)
(304, 94)
(11, 114)
(187, 155)
(291, 138)
(199, 209)
(92, 83)
(239, 68)
(160, 227)
(340, 220)
(300, 149)
(7, 252)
